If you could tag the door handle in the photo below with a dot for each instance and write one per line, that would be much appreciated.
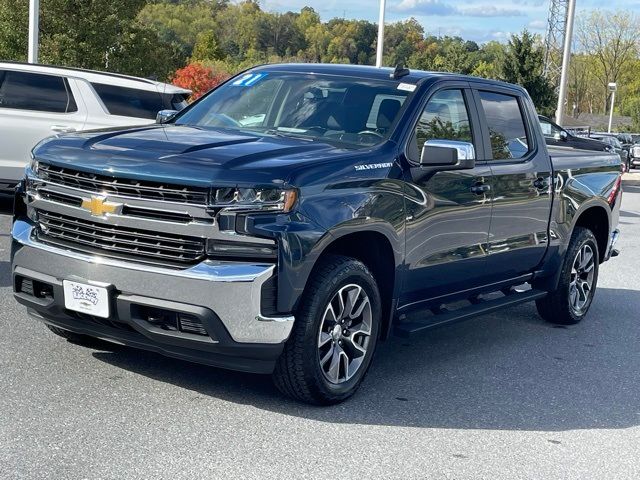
(541, 183)
(63, 129)
(480, 188)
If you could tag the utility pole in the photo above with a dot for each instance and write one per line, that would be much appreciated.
(380, 49)
(612, 88)
(566, 60)
(34, 26)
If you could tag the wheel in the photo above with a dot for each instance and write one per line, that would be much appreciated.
(334, 336)
(570, 302)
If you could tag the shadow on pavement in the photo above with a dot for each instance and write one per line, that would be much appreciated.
(509, 371)
(5, 274)
(6, 205)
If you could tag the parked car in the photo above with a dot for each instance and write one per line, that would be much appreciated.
(556, 136)
(617, 147)
(297, 215)
(634, 156)
(37, 101)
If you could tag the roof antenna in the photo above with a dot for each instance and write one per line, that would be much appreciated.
(399, 72)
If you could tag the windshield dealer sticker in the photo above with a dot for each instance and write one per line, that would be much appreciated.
(249, 79)
(407, 87)
(372, 166)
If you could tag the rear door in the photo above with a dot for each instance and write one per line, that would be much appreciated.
(521, 182)
(33, 106)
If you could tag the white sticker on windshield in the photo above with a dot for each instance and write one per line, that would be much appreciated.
(248, 79)
(407, 87)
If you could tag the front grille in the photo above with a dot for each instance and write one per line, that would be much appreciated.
(120, 242)
(92, 182)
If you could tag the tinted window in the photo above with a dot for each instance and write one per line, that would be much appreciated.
(34, 91)
(549, 130)
(506, 126)
(176, 101)
(355, 111)
(444, 118)
(129, 102)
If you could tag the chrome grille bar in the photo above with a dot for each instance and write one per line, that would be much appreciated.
(121, 186)
(79, 234)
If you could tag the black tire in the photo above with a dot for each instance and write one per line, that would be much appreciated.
(558, 306)
(298, 373)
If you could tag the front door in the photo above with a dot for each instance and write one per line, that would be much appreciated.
(448, 213)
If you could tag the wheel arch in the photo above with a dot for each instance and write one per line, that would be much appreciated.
(596, 218)
(379, 248)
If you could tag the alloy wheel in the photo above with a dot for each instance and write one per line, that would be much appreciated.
(345, 333)
(582, 275)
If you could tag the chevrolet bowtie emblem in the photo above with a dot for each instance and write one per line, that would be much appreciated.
(98, 206)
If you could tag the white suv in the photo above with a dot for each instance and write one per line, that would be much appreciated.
(37, 101)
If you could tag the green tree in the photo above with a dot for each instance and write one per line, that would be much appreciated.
(522, 64)
(206, 47)
(612, 41)
(101, 35)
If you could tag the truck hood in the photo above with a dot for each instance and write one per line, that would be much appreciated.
(186, 155)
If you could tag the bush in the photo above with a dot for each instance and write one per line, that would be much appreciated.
(198, 78)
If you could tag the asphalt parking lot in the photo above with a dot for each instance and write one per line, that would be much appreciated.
(505, 396)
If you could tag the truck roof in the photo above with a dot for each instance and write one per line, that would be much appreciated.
(96, 76)
(368, 71)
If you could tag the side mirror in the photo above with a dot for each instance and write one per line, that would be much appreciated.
(563, 135)
(164, 116)
(441, 155)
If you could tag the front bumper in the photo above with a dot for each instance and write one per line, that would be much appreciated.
(224, 297)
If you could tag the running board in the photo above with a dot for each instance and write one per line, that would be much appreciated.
(476, 308)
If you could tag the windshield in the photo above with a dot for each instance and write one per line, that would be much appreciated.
(354, 111)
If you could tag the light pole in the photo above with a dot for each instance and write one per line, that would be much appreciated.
(566, 59)
(612, 88)
(34, 21)
(380, 49)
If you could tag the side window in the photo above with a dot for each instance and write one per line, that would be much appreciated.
(36, 92)
(129, 102)
(547, 128)
(445, 117)
(507, 132)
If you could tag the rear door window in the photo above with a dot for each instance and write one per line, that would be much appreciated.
(35, 92)
(507, 132)
(129, 102)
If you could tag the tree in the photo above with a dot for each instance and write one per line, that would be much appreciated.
(522, 64)
(101, 35)
(206, 48)
(612, 41)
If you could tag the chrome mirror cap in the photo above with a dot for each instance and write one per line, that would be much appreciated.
(164, 116)
(465, 150)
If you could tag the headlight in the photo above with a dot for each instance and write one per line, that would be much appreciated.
(261, 199)
(34, 165)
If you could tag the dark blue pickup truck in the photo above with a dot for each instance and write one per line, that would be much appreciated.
(297, 215)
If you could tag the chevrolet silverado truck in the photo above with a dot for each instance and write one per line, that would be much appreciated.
(297, 215)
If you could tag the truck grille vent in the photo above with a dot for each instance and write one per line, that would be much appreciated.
(190, 324)
(92, 182)
(120, 242)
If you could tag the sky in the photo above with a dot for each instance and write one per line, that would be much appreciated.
(479, 20)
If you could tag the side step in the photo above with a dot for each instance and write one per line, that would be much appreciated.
(477, 307)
